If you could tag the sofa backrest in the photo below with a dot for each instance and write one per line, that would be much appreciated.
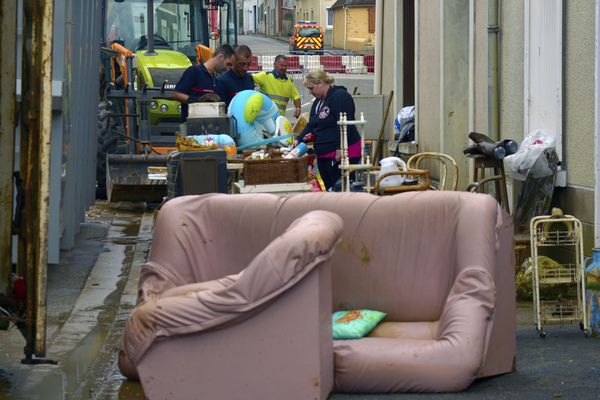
(399, 254)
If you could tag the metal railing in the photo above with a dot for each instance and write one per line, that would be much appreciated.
(349, 63)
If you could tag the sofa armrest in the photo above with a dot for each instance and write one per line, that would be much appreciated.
(309, 242)
(192, 288)
(466, 319)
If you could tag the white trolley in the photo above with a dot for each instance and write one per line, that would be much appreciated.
(558, 231)
(345, 166)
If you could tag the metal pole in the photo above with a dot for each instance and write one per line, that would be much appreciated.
(8, 71)
(150, 25)
(493, 49)
(377, 89)
(131, 108)
(35, 166)
(597, 132)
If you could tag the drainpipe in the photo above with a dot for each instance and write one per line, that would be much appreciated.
(493, 48)
(345, 27)
(378, 45)
(597, 132)
(471, 68)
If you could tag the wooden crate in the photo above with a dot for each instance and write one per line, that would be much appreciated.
(275, 170)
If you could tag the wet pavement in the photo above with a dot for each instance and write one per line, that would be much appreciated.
(92, 291)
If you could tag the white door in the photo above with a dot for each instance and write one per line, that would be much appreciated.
(543, 68)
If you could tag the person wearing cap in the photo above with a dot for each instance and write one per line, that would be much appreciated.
(279, 86)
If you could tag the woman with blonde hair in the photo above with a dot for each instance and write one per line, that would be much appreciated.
(330, 101)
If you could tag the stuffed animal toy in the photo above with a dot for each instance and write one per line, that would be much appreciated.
(255, 113)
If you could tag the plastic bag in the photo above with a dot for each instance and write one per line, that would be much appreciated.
(404, 124)
(405, 114)
(530, 149)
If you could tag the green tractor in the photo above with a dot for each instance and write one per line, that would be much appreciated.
(147, 45)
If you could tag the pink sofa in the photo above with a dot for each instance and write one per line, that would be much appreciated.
(438, 263)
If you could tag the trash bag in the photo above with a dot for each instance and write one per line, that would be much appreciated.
(530, 149)
(404, 124)
(524, 276)
(537, 192)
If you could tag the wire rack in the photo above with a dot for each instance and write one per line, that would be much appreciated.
(565, 232)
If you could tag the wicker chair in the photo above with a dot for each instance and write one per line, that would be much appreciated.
(440, 163)
(500, 194)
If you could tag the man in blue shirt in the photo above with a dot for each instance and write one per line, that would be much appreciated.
(236, 79)
(200, 80)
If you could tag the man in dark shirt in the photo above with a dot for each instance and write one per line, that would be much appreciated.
(200, 79)
(236, 79)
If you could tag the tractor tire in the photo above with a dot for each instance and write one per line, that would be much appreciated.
(108, 143)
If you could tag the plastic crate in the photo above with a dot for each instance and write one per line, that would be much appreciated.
(275, 170)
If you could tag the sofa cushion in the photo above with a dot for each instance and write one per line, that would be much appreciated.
(406, 330)
(354, 324)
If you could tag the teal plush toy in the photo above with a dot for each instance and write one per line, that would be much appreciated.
(255, 113)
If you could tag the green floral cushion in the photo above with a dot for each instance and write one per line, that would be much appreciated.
(355, 324)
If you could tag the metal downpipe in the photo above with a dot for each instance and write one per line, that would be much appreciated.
(378, 46)
(36, 119)
(597, 130)
(493, 51)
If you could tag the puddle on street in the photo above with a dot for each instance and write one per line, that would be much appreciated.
(90, 370)
(5, 383)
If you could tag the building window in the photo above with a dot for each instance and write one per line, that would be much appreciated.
(329, 18)
(372, 20)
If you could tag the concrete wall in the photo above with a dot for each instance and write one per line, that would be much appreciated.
(578, 100)
(578, 88)
(313, 10)
(428, 100)
(578, 94)
(338, 31)
(393, 63)
(451, 95)
(454, 110)
(356, 28)
(511, 69)
(578, 118)
(452, 87)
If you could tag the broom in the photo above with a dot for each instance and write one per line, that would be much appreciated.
(379, 147)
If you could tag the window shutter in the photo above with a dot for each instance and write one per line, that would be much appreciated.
(371, 19)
